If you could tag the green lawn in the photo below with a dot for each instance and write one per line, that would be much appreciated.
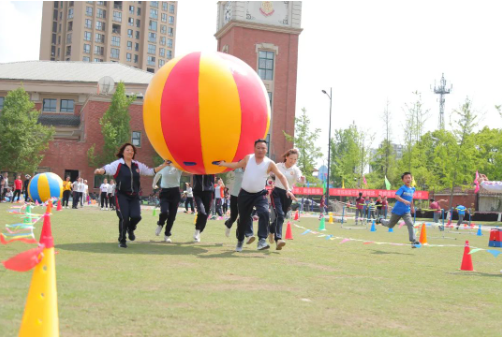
(314, 287)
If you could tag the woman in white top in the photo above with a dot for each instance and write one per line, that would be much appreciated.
(111, 194)
(189, 198)
(104, 194)
(280, 201)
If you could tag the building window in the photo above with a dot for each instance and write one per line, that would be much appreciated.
(137, 34)
(128, 57)
(88, 23)
(163, 29)
(101, 13)
(151, 49)
(152, 25)
(100, 38)
(59, 28)
(70, 26)
(171, 20)
(170, 31)
(101, 3)
(49, 104)
(171, 9)
(170, 43)
(53, 50)
(266, 65)
(88, 11)
(151, 60)
(116, 41)
(56, 4)
(98, 60)
(164, 5)
(154, 4)
(164, 17)
(59, 39)
(130, 21)
(54, 38)
(138, 23)
(59, 51)
(1, 103)
(136, 138)
(87, 48)
(117, 16)
(116, 29)
(136, 46)
(131, 9)
(139, 11)
(68, 38)
(115, 53)
(54, 27)
(60, 15)
(152, 37)
(86, 59)
(67, 105)
(129, 45)
(161, 63)
(98, 50)
(130, 33)
(70, 13)
(163, 40)
(55, 15)
(68, 51)
(135, 58)
(162, 52)
(87, 36)
(169, 54)
(117, 5)
(154, 14)
(100, 25)
(71, 3)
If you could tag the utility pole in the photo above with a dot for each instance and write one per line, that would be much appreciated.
(441, 90)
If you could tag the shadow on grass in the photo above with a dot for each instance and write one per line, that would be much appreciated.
(254, 254)
(147, 248)
(382, 252)
(474, 273)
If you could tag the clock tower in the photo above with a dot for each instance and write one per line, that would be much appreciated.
(265, 35)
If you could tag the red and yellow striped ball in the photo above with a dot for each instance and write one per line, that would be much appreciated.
(205, 107)
(45, 186)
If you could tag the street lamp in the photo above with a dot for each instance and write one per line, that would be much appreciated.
(329, 143)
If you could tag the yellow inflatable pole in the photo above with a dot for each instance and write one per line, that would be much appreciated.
(40, 316)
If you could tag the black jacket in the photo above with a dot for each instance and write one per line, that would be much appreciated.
(203, 182)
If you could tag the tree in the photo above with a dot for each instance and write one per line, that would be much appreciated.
(115, 128)
(306, 142)
(22, 139)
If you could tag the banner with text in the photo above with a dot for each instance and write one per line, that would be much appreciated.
(348, 192)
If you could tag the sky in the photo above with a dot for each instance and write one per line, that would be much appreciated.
(368, 52)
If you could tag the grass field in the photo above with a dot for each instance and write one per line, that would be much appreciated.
(314, 287)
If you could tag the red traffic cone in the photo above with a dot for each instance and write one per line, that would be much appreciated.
(296, 216)
(467, 259)
(423, 235)
(289, 233)
(59, 208)
(49, 207)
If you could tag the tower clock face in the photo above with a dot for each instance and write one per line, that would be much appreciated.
(268, 12)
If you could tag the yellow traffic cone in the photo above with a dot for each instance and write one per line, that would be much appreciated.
(330, 217)
(40, 316)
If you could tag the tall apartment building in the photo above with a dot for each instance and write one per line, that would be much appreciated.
(265, 35)
(140, 34)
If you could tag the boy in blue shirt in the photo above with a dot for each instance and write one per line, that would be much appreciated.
(404, 204)
(461, 213)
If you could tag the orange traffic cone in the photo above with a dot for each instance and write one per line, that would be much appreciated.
(467, 259)
(296, 216)
(289, 233)
(49, 207)
(59, 208)
(423, 235)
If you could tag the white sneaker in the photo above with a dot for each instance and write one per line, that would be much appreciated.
(167, 239)
(106, 209)
(196, 236)
(102, 208)
(158, 230)
(238, 248)
(250, 239)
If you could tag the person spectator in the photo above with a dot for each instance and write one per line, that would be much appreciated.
(18, 187)
(378, 205)
(360, 208)
(111, 194)
(385, 207)
(25, 187)
(189, 199)
(66, 191)
(5, 186)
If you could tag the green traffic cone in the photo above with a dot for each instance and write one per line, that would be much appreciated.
(153, 212)
(27, 218)
(322, 225)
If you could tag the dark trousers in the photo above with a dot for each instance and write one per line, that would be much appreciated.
(4, 192)
(169, 201)
(104, 199)
(281, 203)
(26, 196)
(225, 206)
(76, 198)
(18, 193)
(246, 202)
(111, 199)
(66, 198)
(234, 211)
(189, 200)
(129, 213)
(203, 203)
(218, 206)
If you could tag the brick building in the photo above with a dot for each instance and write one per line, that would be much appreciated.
(264, 34)
(66, 93)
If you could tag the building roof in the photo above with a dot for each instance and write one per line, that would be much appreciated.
(60, 71)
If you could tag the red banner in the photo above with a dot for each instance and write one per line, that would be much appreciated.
(348, 192)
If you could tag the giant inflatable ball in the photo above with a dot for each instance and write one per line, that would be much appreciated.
(45, 186)
(205, 107)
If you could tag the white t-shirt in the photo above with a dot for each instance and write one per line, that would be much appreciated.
(78, 187)
(255, 175)
(104, 188)
(292, 174)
